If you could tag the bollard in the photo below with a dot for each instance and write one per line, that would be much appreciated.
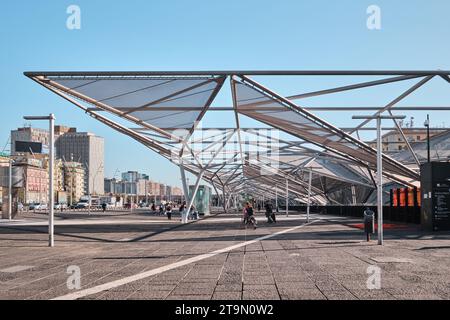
(369, 223)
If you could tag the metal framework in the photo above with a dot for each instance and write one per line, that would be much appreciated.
(310, 158)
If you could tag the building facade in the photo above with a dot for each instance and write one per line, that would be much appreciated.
(393, 141)
(36, 135)
(74, 181)
(88, 149)
(34, 180)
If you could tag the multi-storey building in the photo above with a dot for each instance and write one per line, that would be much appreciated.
(177, 191)
(88, 149)
(393, 141)
(31, 176)
(24, 135)
(74, 181)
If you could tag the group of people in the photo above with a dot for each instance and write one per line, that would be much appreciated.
(192, 215)
(166, 209)
(249, 218)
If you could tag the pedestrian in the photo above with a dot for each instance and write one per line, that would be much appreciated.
(244, 215)
(249, 218)
(183, 205)
(104, 207)
(169, 211)
(269, 212)
(191, 213)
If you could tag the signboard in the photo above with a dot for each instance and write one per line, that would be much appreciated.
(441, 205)
(26, 146)
(435, 180)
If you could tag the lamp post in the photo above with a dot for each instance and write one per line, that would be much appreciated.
(51, 197)
(427, 124)
(10, 189)
(287, 198)
(379, 117)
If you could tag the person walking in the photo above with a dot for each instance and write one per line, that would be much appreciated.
(248, 215)
(104, 207)
(169, 211)
(183, 205)
(269, 212)
(244, 215)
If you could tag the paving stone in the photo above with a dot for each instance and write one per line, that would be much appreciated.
(260, 295)
(338, 295)
(304, 294)
(224, 295)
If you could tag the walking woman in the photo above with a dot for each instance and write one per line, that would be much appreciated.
(169, 211)
(248, 215)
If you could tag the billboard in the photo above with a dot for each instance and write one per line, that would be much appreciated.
(26, 146)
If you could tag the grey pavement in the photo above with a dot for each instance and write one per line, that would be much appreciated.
(327, 259)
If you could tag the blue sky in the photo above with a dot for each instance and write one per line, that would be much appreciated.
(209, 35)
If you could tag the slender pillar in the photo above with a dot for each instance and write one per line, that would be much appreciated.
(380, 183)
(309, 195)
(428, 139)
(276, 198)
(183, 182)
(10, 200)
(192, 197)
(51, 194)
(224, 196)
(287, 198)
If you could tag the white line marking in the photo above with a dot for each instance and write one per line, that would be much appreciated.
(82, 222)
(16, 269)
(146, 274)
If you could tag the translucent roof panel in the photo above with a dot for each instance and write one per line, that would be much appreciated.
(164, 102)
(299, 123)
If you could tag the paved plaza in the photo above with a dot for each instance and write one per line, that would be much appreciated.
(141, 256)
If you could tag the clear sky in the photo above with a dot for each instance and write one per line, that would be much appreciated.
(208, 35)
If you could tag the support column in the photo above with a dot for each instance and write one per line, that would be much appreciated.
(224, 198)
(353, 194)
(380, 183)
(51, 194)
(309, 196)
(287, 198)
(192, 197)
(276, 198)
(183, 182)
(10, 199)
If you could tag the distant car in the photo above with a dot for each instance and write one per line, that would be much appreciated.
(82, 205)
(38, 206)
(60, 206)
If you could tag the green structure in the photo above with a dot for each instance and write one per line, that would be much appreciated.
(202, 201)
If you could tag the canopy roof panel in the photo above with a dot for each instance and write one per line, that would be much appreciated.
(274, 110)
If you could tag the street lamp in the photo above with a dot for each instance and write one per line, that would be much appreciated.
(10, 188)
(51, 119)
(379, 117)
(427, 124)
